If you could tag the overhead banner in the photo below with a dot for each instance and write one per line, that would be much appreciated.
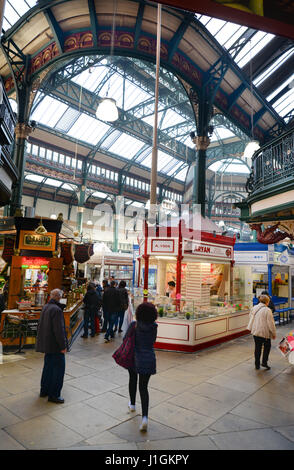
(273, 16)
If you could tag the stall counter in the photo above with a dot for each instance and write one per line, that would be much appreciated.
(10, 331)
(176, 334)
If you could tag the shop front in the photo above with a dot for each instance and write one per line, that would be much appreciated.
(194, 290)
(260, 267)
(34, 270)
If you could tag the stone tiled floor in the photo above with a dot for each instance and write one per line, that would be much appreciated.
(210, 400)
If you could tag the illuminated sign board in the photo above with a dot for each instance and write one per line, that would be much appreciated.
(30, 240)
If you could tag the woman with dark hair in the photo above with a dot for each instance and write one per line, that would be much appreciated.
(145, 360)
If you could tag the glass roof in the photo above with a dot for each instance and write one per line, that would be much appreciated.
(104, 79)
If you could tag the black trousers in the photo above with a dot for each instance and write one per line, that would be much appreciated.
(53, 374)
(143, 390)
(259, 342)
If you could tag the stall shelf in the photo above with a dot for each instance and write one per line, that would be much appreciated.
(19, 327)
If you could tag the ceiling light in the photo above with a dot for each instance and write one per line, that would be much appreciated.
(107, 110)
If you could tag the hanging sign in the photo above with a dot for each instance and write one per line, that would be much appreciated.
(8, 249)
(207, 250)
(30, 240)
(162, 246)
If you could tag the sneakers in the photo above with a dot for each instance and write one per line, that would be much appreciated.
(106, 340)
(144, 424)
(84, 336)
(266, 366)
(132, 407)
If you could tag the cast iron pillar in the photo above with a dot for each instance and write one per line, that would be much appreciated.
(22, 131)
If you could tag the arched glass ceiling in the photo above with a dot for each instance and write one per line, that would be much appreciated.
(241, 42)
(231, 166)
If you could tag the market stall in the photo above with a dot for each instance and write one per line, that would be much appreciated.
(107, 264)
(34, 270)
(200, 309)
(261, 267)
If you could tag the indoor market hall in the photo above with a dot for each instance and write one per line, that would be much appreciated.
(146, 228)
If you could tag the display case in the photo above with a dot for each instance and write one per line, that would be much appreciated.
(184, 325)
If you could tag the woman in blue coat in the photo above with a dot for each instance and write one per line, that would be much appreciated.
(145, 360)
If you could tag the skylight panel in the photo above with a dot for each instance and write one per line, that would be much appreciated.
(35, 178)
(126, 146)
(256, 43)
(285, 104)
(51, 182)
(14, 10)
(182, 174)
(221, 133)
(284, 84)
(100, 195)
(49, 111)
(164, 160)
(88, 129)
(273, 67)
(90, 80)
(226, 33)
(215, 25)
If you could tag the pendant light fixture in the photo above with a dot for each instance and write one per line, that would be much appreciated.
(107, 109)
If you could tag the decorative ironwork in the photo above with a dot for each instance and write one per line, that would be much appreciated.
(272, 163)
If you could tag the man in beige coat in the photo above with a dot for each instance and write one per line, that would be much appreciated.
(263, 328)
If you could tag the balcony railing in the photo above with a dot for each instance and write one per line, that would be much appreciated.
(272, 164)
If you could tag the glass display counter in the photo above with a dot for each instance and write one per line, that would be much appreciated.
(183, 325)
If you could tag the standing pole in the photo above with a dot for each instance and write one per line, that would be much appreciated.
(153, 186)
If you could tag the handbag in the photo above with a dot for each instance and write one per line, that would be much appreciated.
(124, 356)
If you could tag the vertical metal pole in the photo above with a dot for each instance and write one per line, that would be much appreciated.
(153, 186)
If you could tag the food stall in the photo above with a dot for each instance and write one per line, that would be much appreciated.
(202, 310)
(106, 264)
(35, 270)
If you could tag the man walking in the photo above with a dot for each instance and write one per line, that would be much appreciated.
(111, 302)
(52, 340)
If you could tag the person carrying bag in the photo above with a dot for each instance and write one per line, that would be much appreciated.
(137, 355)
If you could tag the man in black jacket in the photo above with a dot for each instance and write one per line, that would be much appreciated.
(92, 304)
(111, 302)
(52, 340)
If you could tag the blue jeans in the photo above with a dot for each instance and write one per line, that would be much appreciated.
(89, 316)
(53, 374)
(105, 320)
(113, 317)
(120, 319)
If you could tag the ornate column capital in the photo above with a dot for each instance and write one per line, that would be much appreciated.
(201, 142)
(22, 130)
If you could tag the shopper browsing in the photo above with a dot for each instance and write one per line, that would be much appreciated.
(52, 340)
(263, 328)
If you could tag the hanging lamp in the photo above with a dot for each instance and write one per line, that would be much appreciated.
(107, 110)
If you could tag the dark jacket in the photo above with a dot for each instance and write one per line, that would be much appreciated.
(145, 360)
(124, 298)
(111, 300)
(92, 301)
(51, 337)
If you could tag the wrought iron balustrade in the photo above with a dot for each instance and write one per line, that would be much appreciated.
(272, 163)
